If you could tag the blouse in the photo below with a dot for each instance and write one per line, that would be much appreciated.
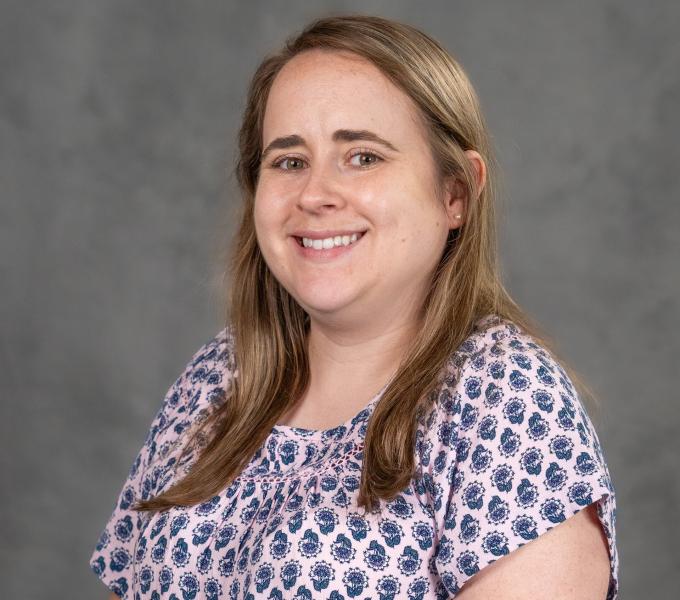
(504, 453)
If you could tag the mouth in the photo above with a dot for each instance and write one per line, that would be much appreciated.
(327, 249)
(329, 243)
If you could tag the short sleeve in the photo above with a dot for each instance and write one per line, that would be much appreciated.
(201, 384)
(508, 452)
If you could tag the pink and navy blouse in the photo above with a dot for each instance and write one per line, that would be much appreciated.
(505, 453)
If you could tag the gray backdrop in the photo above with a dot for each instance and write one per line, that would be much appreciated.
(117, 129)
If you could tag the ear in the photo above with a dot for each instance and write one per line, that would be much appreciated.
(456, 198)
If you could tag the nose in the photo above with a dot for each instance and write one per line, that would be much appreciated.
(321, 190)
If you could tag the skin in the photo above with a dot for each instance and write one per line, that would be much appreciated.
(569, 562)
(362, 306)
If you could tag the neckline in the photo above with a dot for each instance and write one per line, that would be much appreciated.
(336, 431)
(339, 431)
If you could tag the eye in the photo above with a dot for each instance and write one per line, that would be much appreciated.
(374, 158)
(278, 162)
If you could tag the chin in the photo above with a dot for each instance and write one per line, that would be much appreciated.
(323, 300)
(322, 305)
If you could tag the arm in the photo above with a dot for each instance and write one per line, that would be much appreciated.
(509, 455)
(569, 562)
(113, 558)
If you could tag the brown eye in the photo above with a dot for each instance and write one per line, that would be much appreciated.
(370, 155)
(287, 159)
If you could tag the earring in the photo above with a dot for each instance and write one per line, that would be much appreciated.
(457, 216)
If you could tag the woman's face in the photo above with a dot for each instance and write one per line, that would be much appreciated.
(345, 156)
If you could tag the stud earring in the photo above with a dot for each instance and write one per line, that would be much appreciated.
(457, 216)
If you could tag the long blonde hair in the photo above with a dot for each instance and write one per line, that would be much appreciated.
(270, 327)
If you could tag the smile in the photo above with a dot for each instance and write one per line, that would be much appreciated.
(330, 247)
(329, 242)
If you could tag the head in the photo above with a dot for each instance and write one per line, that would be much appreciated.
(364, 126)
(346, 152)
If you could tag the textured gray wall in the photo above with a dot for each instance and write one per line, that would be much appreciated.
(117, 129)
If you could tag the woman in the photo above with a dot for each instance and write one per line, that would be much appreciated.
(378, 418)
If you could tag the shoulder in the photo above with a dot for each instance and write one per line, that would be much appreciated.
(216, 351)
(498, 343)
(200, 387)
(500, 371)
(506, 452)
(209, 368)
(213, 362)
(505, 395)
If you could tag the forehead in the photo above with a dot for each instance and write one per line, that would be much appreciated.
(337, 89)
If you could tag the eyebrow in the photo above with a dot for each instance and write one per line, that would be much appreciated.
(340, 135)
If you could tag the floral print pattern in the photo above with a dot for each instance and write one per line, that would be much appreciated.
(504, 453)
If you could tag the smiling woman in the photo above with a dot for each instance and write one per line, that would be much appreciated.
(378, 417)
(392, 201)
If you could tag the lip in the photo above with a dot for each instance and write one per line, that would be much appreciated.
(327, 254)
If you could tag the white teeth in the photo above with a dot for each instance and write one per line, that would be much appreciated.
(331, 242)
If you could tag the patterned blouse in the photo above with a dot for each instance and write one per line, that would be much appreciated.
(505, 452)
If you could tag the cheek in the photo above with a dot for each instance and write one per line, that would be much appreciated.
(269, 219)
(420, 236)
(266, 215)
(263, 229)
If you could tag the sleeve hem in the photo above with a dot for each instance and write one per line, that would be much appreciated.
(604, 507)
(110, 580)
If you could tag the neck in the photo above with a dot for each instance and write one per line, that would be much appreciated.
(356, 361)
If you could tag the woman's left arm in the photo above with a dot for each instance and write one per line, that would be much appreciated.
(569, 562)
(515, 477)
